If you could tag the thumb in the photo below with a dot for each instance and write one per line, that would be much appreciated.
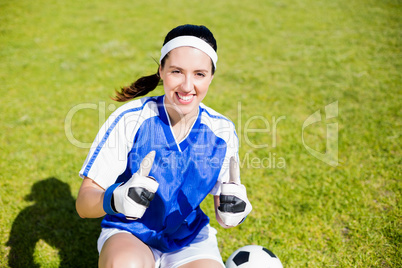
(146, 164)
(234, 173)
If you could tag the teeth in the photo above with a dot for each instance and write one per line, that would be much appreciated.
(185, 98)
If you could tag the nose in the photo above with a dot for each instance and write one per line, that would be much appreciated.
(187, 85)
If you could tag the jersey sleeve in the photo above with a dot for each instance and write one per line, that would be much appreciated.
(232, 149)
(107, 158)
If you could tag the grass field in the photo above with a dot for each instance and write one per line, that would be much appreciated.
(279, 63)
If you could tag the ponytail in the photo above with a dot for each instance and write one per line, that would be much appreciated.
(141, 87)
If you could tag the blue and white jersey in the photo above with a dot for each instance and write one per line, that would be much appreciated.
(187, 171)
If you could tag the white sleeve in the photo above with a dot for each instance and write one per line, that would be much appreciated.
(232, 150)
(107, 158)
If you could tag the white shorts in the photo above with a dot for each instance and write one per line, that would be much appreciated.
(204, 246)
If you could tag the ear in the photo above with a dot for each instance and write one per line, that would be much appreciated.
(160, 71)
(212, 77)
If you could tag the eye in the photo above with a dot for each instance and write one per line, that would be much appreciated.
(200, 74)
(175, 71)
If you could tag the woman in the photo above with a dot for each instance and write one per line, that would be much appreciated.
(157, 158)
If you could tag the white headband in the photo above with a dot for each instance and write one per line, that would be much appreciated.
(189, 41)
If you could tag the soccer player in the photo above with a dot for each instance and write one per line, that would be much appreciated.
(156, 159)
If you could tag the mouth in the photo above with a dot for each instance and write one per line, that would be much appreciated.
(185, 99)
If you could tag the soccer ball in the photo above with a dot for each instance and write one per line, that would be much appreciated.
(253, 256)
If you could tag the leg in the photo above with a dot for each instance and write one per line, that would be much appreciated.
(202, 263)
(125, 250)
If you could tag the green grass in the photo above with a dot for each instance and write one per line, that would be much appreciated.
(276, 59)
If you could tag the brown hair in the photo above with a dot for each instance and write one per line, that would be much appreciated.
(141, 87)
(146, 84)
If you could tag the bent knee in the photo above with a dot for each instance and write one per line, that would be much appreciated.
(129, 257)
(124, 250)
(126, 260)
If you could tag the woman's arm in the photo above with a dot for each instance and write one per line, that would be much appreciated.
(89, 202)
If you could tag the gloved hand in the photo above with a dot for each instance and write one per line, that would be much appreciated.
(234, 205)
(133, 197)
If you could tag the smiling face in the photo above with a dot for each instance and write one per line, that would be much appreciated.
(186, 75)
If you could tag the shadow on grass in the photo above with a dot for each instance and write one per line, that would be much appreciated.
(54, 220)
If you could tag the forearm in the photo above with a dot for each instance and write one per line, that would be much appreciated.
(89, 202)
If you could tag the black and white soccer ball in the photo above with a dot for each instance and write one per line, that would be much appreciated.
(253, 256)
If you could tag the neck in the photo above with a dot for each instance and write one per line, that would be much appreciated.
(177, 118)
(181, 124)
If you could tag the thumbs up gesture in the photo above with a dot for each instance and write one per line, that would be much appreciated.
(133, 197)
(234, 205)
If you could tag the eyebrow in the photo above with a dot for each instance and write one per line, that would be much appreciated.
(177, 67)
